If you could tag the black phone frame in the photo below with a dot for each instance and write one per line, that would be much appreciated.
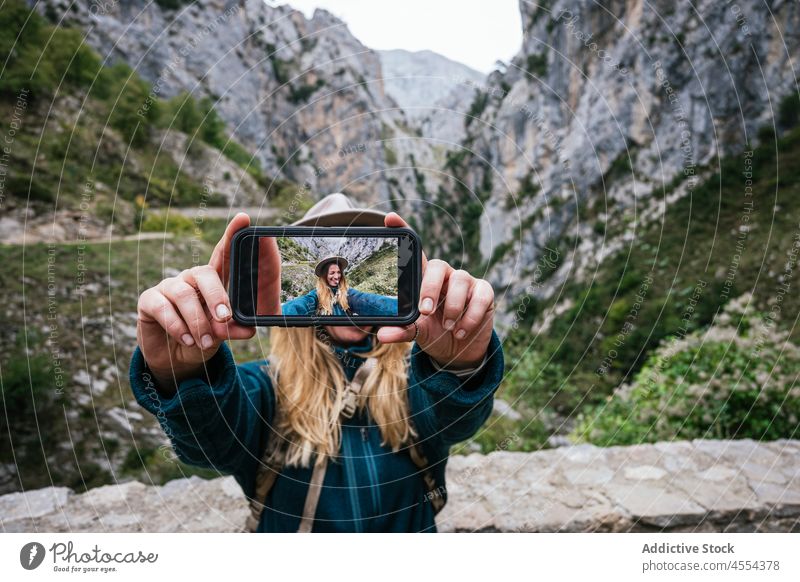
(413, 272)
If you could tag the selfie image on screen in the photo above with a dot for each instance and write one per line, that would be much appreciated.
(329, 276)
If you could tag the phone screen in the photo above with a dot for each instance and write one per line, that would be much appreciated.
(350, 277)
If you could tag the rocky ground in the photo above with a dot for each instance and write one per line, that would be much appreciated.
(677, 486)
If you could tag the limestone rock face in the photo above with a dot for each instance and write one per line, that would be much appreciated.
(502, 163)
(732, 486)
(430, 88)
(597, 90)
(303, 94)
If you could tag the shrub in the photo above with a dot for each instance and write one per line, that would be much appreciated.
(72, 58)
(29, 410)
(789, 112)
(167, 222)
(22, 33)
(135, 112)
(737, 379)
(477, 107)
(537, 65)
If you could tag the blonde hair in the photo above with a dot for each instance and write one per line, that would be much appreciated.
(309, 388)
(325, 299)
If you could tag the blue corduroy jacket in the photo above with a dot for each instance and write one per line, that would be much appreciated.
(220, 422)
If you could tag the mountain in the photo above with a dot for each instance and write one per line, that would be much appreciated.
(303, 95)
(627, 176)
(355, 250)
(624, 182)
(603, 108)
(418, 80)
(432, 90)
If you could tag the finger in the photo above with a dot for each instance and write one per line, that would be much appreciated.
(221, 253)
(432, 281)
(269, 277)
(232, 330)
(184, 297)
(214, 295)
(391, 334)
(228, 330)
(481, 303)
(393, 220)
(458, 288)
(154, 307)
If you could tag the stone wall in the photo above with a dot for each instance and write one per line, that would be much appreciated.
(700, 485)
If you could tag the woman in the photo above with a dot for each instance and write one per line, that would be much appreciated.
(331, 285)
(334, 297)
(434, 379)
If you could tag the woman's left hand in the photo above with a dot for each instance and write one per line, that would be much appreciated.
(457, 313)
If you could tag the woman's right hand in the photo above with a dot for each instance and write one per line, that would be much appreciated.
(183, 320)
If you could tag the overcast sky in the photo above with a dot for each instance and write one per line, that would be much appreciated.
(474, 32)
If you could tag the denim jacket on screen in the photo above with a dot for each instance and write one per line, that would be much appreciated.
(361, 303)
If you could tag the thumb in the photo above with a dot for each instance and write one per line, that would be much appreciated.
(222, 252)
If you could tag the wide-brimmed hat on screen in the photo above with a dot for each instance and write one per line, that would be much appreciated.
(319, 270)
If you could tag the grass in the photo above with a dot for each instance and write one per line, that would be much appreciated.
(695, 242)
(69, 309)
(641, 296)
(378, 273)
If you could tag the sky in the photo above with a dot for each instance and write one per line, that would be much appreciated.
(474, 32)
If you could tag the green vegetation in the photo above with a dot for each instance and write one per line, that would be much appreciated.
(619, 168)
(390, 155)
(528, 189)
(377, 273)
(293, 252)
(37, 62)
(173, 4)
(477, 107)
(736, 380)
(671, 280)
(537, 64)
(76, 305)
(789, 112)
(279, 66)
(32, 410)
(297, 272)
(77, 157)
(168, 222)
(541, 9)
(301, 94)
(158, 465)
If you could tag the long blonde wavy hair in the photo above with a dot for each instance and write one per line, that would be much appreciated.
(310, 383)
(325, 299)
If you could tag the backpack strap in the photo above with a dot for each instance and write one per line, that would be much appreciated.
(268, 469)
(435, 496)
(312, 497)
(274, 455)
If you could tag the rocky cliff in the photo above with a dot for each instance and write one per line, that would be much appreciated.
(603, 108)
(303, 94)
(707, 486)
(430, 89)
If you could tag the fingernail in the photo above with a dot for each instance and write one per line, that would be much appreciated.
(427, 304)
(461, 334)
(207, 341)
(187, 339)
(223, 311)
(448, 324)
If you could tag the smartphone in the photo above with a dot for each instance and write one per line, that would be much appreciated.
(305, 276)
